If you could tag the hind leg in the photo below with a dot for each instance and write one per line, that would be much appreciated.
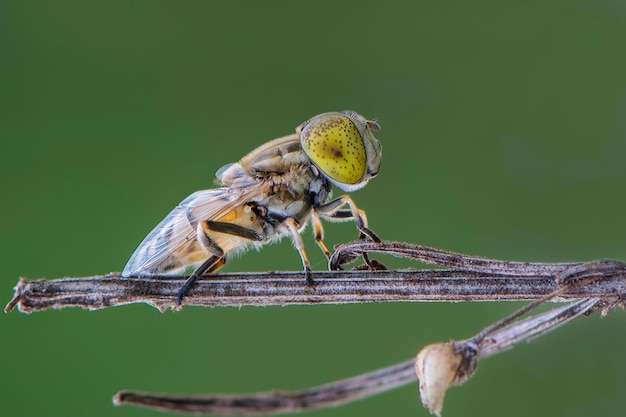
(218, 258)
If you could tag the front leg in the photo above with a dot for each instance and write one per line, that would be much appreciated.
(318, 234)
(333, 211)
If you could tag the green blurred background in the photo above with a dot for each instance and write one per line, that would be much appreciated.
(504, 134)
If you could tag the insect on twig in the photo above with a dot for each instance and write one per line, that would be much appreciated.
(270, 193)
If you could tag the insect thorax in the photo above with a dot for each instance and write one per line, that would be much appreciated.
(294, 193)
(294, 186)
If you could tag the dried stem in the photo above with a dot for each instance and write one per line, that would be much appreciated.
(470, 279)
(524, 330)
(277, 402)
(602, 284)
(347, 390)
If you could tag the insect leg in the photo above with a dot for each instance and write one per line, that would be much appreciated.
(318, 233)
(233, 229)
(218, 259)
(332, 211)
(292, 227)
(212, 264)
(342, 215)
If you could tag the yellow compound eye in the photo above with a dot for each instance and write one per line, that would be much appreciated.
(335, 146)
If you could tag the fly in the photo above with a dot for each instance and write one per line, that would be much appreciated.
(270, 193)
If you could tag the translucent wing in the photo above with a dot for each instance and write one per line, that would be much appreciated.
(172, 248)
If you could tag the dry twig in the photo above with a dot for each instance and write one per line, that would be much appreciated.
(600, 284)
(466, 279)
(347, 390)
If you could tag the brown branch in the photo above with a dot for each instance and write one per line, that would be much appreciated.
(347, 390)
(474, 279)
(602, 284)
(277, 402)
(349, 252)
(535, 326)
